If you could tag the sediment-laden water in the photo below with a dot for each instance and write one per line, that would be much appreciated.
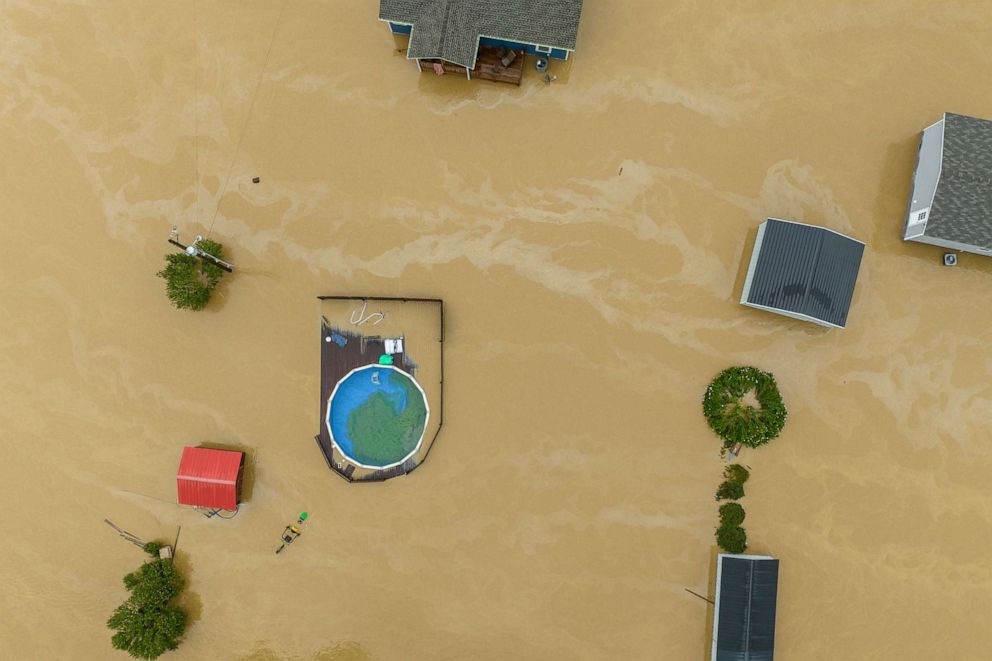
(589, 240)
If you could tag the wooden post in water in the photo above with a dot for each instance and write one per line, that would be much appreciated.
(696, 594)
(134, 539)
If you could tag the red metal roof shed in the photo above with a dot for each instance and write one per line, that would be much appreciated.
(210, 478)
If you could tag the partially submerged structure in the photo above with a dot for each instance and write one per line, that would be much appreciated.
(210, 478)
(475, 38)
(744, 609)
(951, 202)
(803, 271)
(381, 384)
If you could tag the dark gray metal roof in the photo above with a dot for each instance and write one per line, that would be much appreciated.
(962, 205)
(450, 29)
(805, 270)
(746, 611)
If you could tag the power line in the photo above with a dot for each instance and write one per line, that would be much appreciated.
(251, 108)
(196, 113)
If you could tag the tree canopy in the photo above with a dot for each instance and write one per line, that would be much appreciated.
(729, 491)
(146, 624)
(736, 473)
(731, 514)
(732, 539)
(189, 280)
(734, 419)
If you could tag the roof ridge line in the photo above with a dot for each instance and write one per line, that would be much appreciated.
(211, 480)
(444, 24)
(814, 266)
(747, 611)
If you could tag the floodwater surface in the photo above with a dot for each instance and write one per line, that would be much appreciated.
(588, 238)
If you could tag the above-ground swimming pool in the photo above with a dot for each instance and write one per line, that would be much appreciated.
(376, 416)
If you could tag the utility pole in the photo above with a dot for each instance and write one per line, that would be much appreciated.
(194, 251)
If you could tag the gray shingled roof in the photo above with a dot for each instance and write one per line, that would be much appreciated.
(962, 205)
(450, 29)
(746, 610)
(803, 270)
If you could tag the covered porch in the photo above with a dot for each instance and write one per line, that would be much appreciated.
(488, 65)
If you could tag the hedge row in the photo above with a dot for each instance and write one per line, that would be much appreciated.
(730, 536)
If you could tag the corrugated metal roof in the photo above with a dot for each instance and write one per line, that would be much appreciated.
(962, 204)
(804, 270)
(209, 478)
(745, 609)
(450, 29)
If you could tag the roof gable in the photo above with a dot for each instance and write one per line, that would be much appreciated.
(803, 271)
(745, 609)
(208, 478)
(962, 203)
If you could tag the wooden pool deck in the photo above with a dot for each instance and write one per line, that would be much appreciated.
(420, 322)
(488, 66)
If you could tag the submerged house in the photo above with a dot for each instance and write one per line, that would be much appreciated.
(210, 478)
(803, 271)
(744, 609)
(951, 203)
(470, 36)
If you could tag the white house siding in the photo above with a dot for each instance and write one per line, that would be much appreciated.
(925, 180)
(754, 262)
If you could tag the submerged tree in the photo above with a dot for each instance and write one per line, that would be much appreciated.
(732, 539)
(189, 280)
(146, 624)
(743, 405)
(146, 633)
(152, 548)
(729, 491)
(731, 514)
(736, 474)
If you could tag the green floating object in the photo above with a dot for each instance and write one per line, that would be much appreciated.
(385, 359)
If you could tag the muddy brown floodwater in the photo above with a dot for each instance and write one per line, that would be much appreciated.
(569, 498)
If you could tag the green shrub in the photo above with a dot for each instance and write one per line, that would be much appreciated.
(736, 473)
(146, 625)
(729, 491)
(189, 281)
(734, 420)
(156, 581)
(146, 634)
(731, 514)
(732, 539)
(151, 548)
